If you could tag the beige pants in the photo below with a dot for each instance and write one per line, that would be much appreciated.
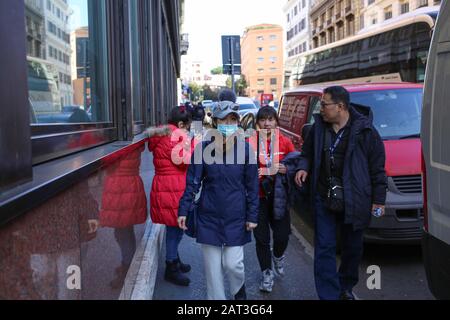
(220, 259)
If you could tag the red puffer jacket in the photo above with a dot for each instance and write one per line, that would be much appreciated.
(169, 182)
(123, 201)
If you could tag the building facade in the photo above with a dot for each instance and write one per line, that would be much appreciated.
(56, 16)
(297, 27)
(35, 29)
(193, 71)
(196, 72)
(298, 35)
(79, 44)
(262, 56)
(333, 20)
(374, 12)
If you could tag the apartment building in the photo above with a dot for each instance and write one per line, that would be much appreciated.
(262, 59)
(374, 12)
(333, 20)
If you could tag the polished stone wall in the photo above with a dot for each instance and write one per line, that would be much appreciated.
(94, 227)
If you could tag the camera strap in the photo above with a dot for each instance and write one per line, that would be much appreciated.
(330, 150)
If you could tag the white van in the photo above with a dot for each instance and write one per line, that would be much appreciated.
(436, 159)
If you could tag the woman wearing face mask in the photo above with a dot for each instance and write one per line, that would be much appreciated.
(273, 148)
(228, 205)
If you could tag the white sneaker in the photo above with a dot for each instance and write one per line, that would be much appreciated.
(266, 281)
(278, 265)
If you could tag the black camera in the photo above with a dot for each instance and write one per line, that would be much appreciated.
(267, 185)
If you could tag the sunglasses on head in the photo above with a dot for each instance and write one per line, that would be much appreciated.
(224, 105)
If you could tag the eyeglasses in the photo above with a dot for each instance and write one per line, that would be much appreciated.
(324, 104)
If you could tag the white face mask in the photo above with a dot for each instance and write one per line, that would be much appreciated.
(227, 129)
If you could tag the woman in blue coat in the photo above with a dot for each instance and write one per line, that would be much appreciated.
(228, 205)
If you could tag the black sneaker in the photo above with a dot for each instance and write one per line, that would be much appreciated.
(241, 295)
(174, 275)
(347, 295)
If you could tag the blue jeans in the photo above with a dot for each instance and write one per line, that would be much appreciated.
(330, 282)
(173, 238)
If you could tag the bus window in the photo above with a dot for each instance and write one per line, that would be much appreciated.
(421, 65)
(387, 53)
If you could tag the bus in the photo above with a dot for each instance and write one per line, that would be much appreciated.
(43, 87)
(435, 134)
(394, 51)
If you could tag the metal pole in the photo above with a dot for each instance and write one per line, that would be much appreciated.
(230, 39)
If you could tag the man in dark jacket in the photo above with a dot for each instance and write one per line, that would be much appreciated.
(342, 144)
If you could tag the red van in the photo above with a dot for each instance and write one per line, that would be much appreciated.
(396, 109)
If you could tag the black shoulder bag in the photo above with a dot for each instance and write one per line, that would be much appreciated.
(334, 201)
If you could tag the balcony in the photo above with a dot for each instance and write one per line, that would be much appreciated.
(317, 5)
(338, 16)
(330, 22)
(35, 7)
(314, 31)
(30, 30)
(348, 10)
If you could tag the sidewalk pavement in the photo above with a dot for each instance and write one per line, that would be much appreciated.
(145, 279)
(297, 284)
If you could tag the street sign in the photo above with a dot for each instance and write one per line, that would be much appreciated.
(231, 57)
(227, 69)
(231, 48)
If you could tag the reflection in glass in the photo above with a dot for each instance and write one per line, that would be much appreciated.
(135, 61)
(67, 61)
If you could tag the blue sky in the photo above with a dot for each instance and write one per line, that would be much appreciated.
(79, 18)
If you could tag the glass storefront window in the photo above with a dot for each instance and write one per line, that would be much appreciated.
(67, 61)
(135, 68)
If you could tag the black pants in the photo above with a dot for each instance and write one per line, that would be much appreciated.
(127, 242)
(281, 231)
